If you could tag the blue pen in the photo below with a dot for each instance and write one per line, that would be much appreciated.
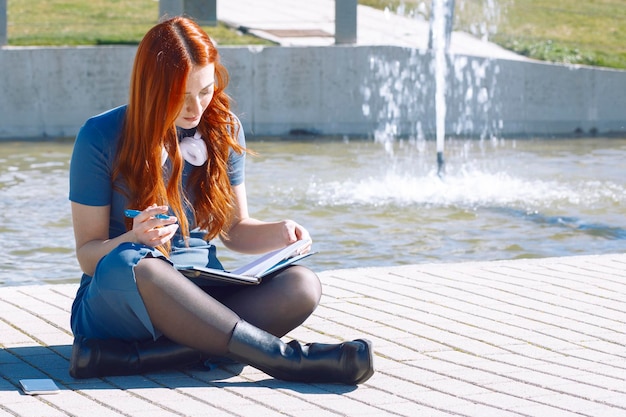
(133, 213)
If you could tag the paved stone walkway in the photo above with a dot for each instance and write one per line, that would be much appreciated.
(542, 337)
(312, 23)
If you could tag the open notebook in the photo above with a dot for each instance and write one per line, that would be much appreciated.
(253, 272)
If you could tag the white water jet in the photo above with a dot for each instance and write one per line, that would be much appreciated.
(441, 70)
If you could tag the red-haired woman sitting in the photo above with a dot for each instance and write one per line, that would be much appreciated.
(176, 152)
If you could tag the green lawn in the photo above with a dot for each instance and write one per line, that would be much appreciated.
(94, 22)
(591, 32)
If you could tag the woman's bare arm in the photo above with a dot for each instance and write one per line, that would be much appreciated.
(91, 232)
(249, 235)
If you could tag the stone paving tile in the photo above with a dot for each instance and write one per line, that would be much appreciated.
(475, 339)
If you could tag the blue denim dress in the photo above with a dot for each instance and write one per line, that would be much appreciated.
(108, 304)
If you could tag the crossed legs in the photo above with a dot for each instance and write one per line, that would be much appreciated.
(244, 324)
(188, 315)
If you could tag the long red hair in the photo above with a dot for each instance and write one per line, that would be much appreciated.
(164, 59)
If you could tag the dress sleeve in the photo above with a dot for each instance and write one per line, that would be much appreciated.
(90, 167)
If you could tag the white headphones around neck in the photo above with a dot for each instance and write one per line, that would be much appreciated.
(193, 149)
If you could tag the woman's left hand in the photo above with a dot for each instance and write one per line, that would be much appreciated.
(293, 232)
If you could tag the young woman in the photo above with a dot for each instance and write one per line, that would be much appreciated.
(176, 153)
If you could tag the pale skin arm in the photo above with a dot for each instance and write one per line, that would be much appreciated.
(245, 234)
(91, 232)
(252, 236)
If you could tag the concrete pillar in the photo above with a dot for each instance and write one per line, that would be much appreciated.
(345, 21)
(171, 8)
(202, 11)
(3, 22)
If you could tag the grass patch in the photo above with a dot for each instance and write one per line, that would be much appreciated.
(590, 32)
(95, 22)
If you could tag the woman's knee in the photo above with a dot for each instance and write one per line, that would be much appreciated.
(147, 267)
(154, 272)
(304, 285)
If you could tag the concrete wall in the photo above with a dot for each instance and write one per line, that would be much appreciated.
(337, 90)
(49, 92)
(3, 22)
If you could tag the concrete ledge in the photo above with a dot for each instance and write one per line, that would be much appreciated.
(335, 90)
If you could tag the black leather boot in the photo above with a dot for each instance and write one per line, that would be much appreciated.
(95, 358)
(346, 363)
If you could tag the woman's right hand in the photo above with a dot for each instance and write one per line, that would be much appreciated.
(152, 231)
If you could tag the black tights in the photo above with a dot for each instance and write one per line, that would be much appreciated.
(191, 316)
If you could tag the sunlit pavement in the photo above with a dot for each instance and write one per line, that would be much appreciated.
(543, 337)
(312, 23)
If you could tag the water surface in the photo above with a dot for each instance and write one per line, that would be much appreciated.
(363, 204)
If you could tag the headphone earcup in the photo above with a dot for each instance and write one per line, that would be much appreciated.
(164, 156)
(194, 150)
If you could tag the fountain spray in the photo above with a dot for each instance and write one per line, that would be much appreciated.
(439, 37)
